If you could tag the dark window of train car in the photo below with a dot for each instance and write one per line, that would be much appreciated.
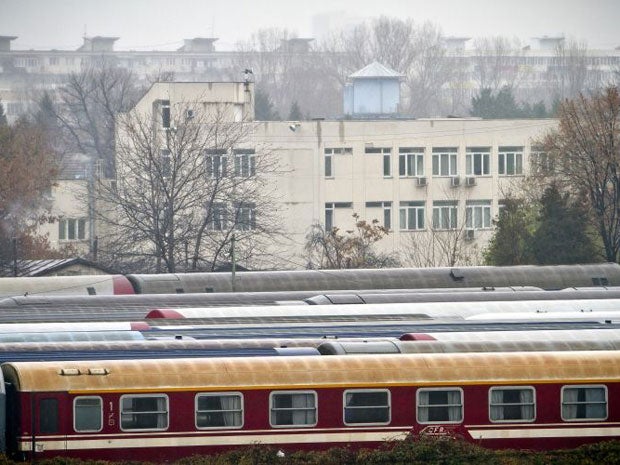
(600, 281)
(144, 412)
(584, 403)
(87, 414)
(219, 410)
(366, 406)
(48, 416)
(438, 405)
(512, 404)
(297, 408)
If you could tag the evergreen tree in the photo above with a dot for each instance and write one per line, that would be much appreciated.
(510, 243)
(295, 112)
(263, 107)
(562, 233)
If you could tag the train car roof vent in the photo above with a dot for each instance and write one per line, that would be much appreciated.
(70, 372)
(456, 274)
(98, 371)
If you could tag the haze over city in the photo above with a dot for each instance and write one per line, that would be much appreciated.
(162, 25)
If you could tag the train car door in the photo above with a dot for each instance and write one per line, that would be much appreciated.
(48, 424)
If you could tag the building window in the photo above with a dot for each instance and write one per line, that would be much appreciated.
(541, 162)
(245, 162)
(511, 404)
(367, 406)
(54, 61)
(411, 216)
(584, 403)
(165, 163)
(510, 161)
(440, 405)
(293, 408)
(217, 161)
(165, 114)
(444, 161)
(478, 214)
(219, 410)
(410, 162)
(72, 229)
(387, 157)
(144, 412)
(219, 217)
(477, 161)
(329, 213)
(329, 160)
(245, 214)
(387, 212)
(444, 214)
(87, 414)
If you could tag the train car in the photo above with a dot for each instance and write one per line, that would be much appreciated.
(483, 310)
(133, 307)
(162, 410)
(51, 327)
(66, 285)
(69, 336)
(546, 277)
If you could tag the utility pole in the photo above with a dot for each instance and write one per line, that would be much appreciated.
(233, 262)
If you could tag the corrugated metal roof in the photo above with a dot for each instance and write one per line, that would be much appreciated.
(375, 70)
(44, 267)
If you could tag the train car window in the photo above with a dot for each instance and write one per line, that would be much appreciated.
(584, 403)
(144, 412)
(363, 406)
(180, 290)
(293, 408)
(48, 416)
(440, 405)
(91, 290)
(87, 414)
(512, 404)
(219, 410)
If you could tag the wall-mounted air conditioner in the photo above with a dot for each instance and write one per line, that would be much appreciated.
(421, 181)
(470, 181)
(455, 181)
(470, 234)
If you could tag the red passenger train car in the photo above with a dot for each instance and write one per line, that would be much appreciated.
(165, 409)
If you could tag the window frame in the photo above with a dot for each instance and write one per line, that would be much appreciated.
(219, 394)
(217, 163)
(75, 400)
(453, 217)
(65, 228)
(361, 391)
(503, 155)
(506, 404)
(584, 386)
(470, 215)
(451, 154)
(143, 396)
(470, 161)
(244, 161)
(272, 409)
(409, 159)
(406, 210)
(436, 422)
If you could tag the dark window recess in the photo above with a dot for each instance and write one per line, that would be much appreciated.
(180, 290)
(457, 275)
(209, 290)
(91, 291)
(48, 416)
(600, 281)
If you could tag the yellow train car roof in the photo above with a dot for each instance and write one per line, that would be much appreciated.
(302, 372)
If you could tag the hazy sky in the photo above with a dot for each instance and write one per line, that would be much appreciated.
(163, 24)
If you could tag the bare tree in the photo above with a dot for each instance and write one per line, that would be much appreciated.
(585, 151)
(354, 249)
(86, 107)
(495, 64)
(569, 75)
(181, 194)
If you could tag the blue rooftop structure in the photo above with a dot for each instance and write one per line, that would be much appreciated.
(374, 91)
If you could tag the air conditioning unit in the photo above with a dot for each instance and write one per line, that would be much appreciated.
(470, 234)
(189, 113)
(470, 181)
(421, 181)
(455, 181)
